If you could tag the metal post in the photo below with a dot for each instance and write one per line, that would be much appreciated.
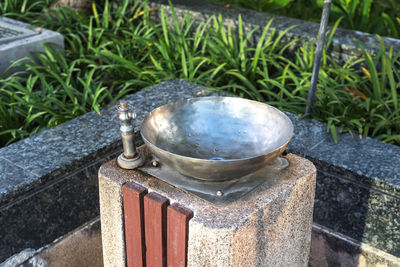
(318, 54)
(130, 158)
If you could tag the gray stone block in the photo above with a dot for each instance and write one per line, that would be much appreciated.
(329, 248)
(358, 183)
(24, 47)
(80, 247)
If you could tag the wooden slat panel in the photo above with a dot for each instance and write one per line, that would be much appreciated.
(155, 211)
(177, 235)
(134, 224)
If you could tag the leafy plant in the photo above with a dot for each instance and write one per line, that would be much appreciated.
(117, 51)
(23, 9)
(356, 13)
(61, 84)
(373, 16)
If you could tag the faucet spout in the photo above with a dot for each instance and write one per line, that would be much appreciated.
(130, 158)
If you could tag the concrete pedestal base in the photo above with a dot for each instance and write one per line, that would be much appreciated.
(270, 226)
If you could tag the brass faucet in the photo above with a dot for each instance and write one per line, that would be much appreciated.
(130, 158)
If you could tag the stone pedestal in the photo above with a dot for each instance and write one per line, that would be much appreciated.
(270, 226)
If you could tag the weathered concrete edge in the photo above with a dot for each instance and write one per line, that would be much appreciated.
(112, 220)
(329, 247)
(364, 160)
(25, 47)
(326, 245)
(345, 43)
(81, 245)
(51, 210)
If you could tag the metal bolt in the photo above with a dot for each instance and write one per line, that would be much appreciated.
(154, 163)
(219, 193)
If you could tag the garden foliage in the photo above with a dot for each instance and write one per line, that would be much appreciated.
(373, 16)
(118, 50)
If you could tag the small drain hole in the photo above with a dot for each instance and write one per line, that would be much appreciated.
(216, 158)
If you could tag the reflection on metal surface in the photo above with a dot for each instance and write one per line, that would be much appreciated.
(216, 138)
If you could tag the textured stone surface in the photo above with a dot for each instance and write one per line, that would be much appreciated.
(67, 146)
(345, 43)
(367, 215)
(81, 247)
(18, 176)
(112, 220)
(19, 258)
(328, 248)
(357, 183)
(17, 49)
(49, 186)
(42, 216)
(269, 226)
(366, 160)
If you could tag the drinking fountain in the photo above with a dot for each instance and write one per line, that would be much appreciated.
(217, 148)
(209, 187)
(216, 138)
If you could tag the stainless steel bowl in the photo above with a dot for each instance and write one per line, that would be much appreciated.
(216, 138)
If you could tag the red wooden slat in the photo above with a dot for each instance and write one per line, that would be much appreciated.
(134, 224)
(177, 235)
(155, 211)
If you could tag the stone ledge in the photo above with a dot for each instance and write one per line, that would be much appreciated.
(50, 183)
(363, 160)
(65, 148)
(357, 190)
(329, 248)
(80, 247)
